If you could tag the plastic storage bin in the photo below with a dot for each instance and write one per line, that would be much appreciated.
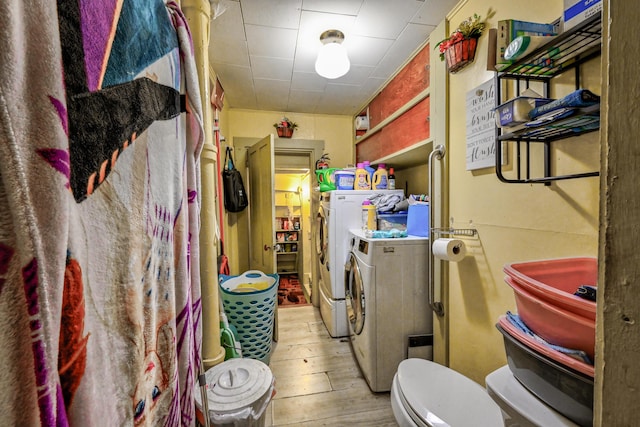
(567, 388)
(344, 179)
(250, 302)
(556, 280)
(238, 393)
(388, 221)
(554, 324)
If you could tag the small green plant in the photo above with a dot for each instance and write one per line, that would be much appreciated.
(285, 123)
(470, 28)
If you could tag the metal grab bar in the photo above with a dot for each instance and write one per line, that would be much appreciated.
(437, 306)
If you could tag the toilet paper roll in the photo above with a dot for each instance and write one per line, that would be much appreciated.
(449, 249)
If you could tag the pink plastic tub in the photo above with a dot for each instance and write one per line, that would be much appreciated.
(556, 280)
(555, 324)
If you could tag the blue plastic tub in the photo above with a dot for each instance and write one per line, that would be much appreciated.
(395, 220)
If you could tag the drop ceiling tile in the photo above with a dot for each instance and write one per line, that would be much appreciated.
(228, 25)
(305, 60)
(356, 75)
(267, 88)
(242, 101)
(271, 68)
(307, 82)
(345, 7)
(371, 87)
(338, 91)
(384, 19)
(230, 51)
(433, 12)
(339, 100)
(268, 62)
(238, 85)
(272, 94)
(367, 50)
(303, 100)
(414, 36)
(270, 13)
(275, 42)
(230, 74)
(312, 24)
(273, 104)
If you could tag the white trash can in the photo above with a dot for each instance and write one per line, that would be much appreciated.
(238, 392)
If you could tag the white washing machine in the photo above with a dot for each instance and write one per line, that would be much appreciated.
(388, 305)
(340, 210)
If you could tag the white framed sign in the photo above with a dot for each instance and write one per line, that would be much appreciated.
(481, 126)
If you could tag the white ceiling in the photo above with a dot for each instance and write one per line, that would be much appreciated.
(264, 51)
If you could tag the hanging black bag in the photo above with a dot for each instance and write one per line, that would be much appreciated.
(235, 196)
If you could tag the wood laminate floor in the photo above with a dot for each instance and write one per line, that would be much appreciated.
(318, 382)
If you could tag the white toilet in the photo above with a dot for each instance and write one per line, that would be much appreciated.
(426, 394)
(520, 407)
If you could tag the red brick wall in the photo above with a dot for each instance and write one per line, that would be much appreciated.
(410, 127)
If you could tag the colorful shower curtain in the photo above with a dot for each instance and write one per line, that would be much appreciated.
(100, 137)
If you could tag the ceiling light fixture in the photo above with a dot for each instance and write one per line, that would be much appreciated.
(332, 61)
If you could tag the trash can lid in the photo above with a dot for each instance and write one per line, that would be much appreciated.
(237, 383)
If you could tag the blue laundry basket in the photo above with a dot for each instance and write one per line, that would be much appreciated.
(250, 302)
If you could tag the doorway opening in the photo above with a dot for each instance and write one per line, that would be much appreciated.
(292, 163)
(292, 225)
(294, 178)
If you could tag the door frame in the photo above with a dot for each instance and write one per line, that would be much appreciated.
(312, 149)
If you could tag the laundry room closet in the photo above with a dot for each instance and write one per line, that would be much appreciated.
(292, 232)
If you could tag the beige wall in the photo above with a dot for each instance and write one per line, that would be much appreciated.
(515, 222)
(413, 180)
(334, 130)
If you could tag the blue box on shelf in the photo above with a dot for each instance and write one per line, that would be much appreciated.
(418, 220)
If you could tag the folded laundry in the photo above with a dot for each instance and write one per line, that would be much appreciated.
(516, 321)
(403, 205)
(385, 202)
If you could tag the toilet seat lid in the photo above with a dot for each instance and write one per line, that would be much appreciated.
(441, 397)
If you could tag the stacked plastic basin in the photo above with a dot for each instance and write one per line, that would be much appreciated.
(546, 303)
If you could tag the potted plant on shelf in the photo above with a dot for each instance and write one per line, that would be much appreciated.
(285, 127)
(459, 49)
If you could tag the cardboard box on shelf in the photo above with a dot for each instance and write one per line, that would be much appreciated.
(509, 29)
(576, 11)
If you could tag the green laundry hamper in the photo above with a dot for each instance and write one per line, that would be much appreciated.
(250, 302)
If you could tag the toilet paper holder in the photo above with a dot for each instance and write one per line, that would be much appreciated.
(437, 306)
(455, 231)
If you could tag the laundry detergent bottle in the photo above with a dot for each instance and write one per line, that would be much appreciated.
(380, 178)
(362, 178)
(369, 217)
(367, 165)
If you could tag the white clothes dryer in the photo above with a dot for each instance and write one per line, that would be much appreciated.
(340, 210)
(387, 304)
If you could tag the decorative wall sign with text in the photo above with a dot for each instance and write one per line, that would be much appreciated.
(481, 125)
